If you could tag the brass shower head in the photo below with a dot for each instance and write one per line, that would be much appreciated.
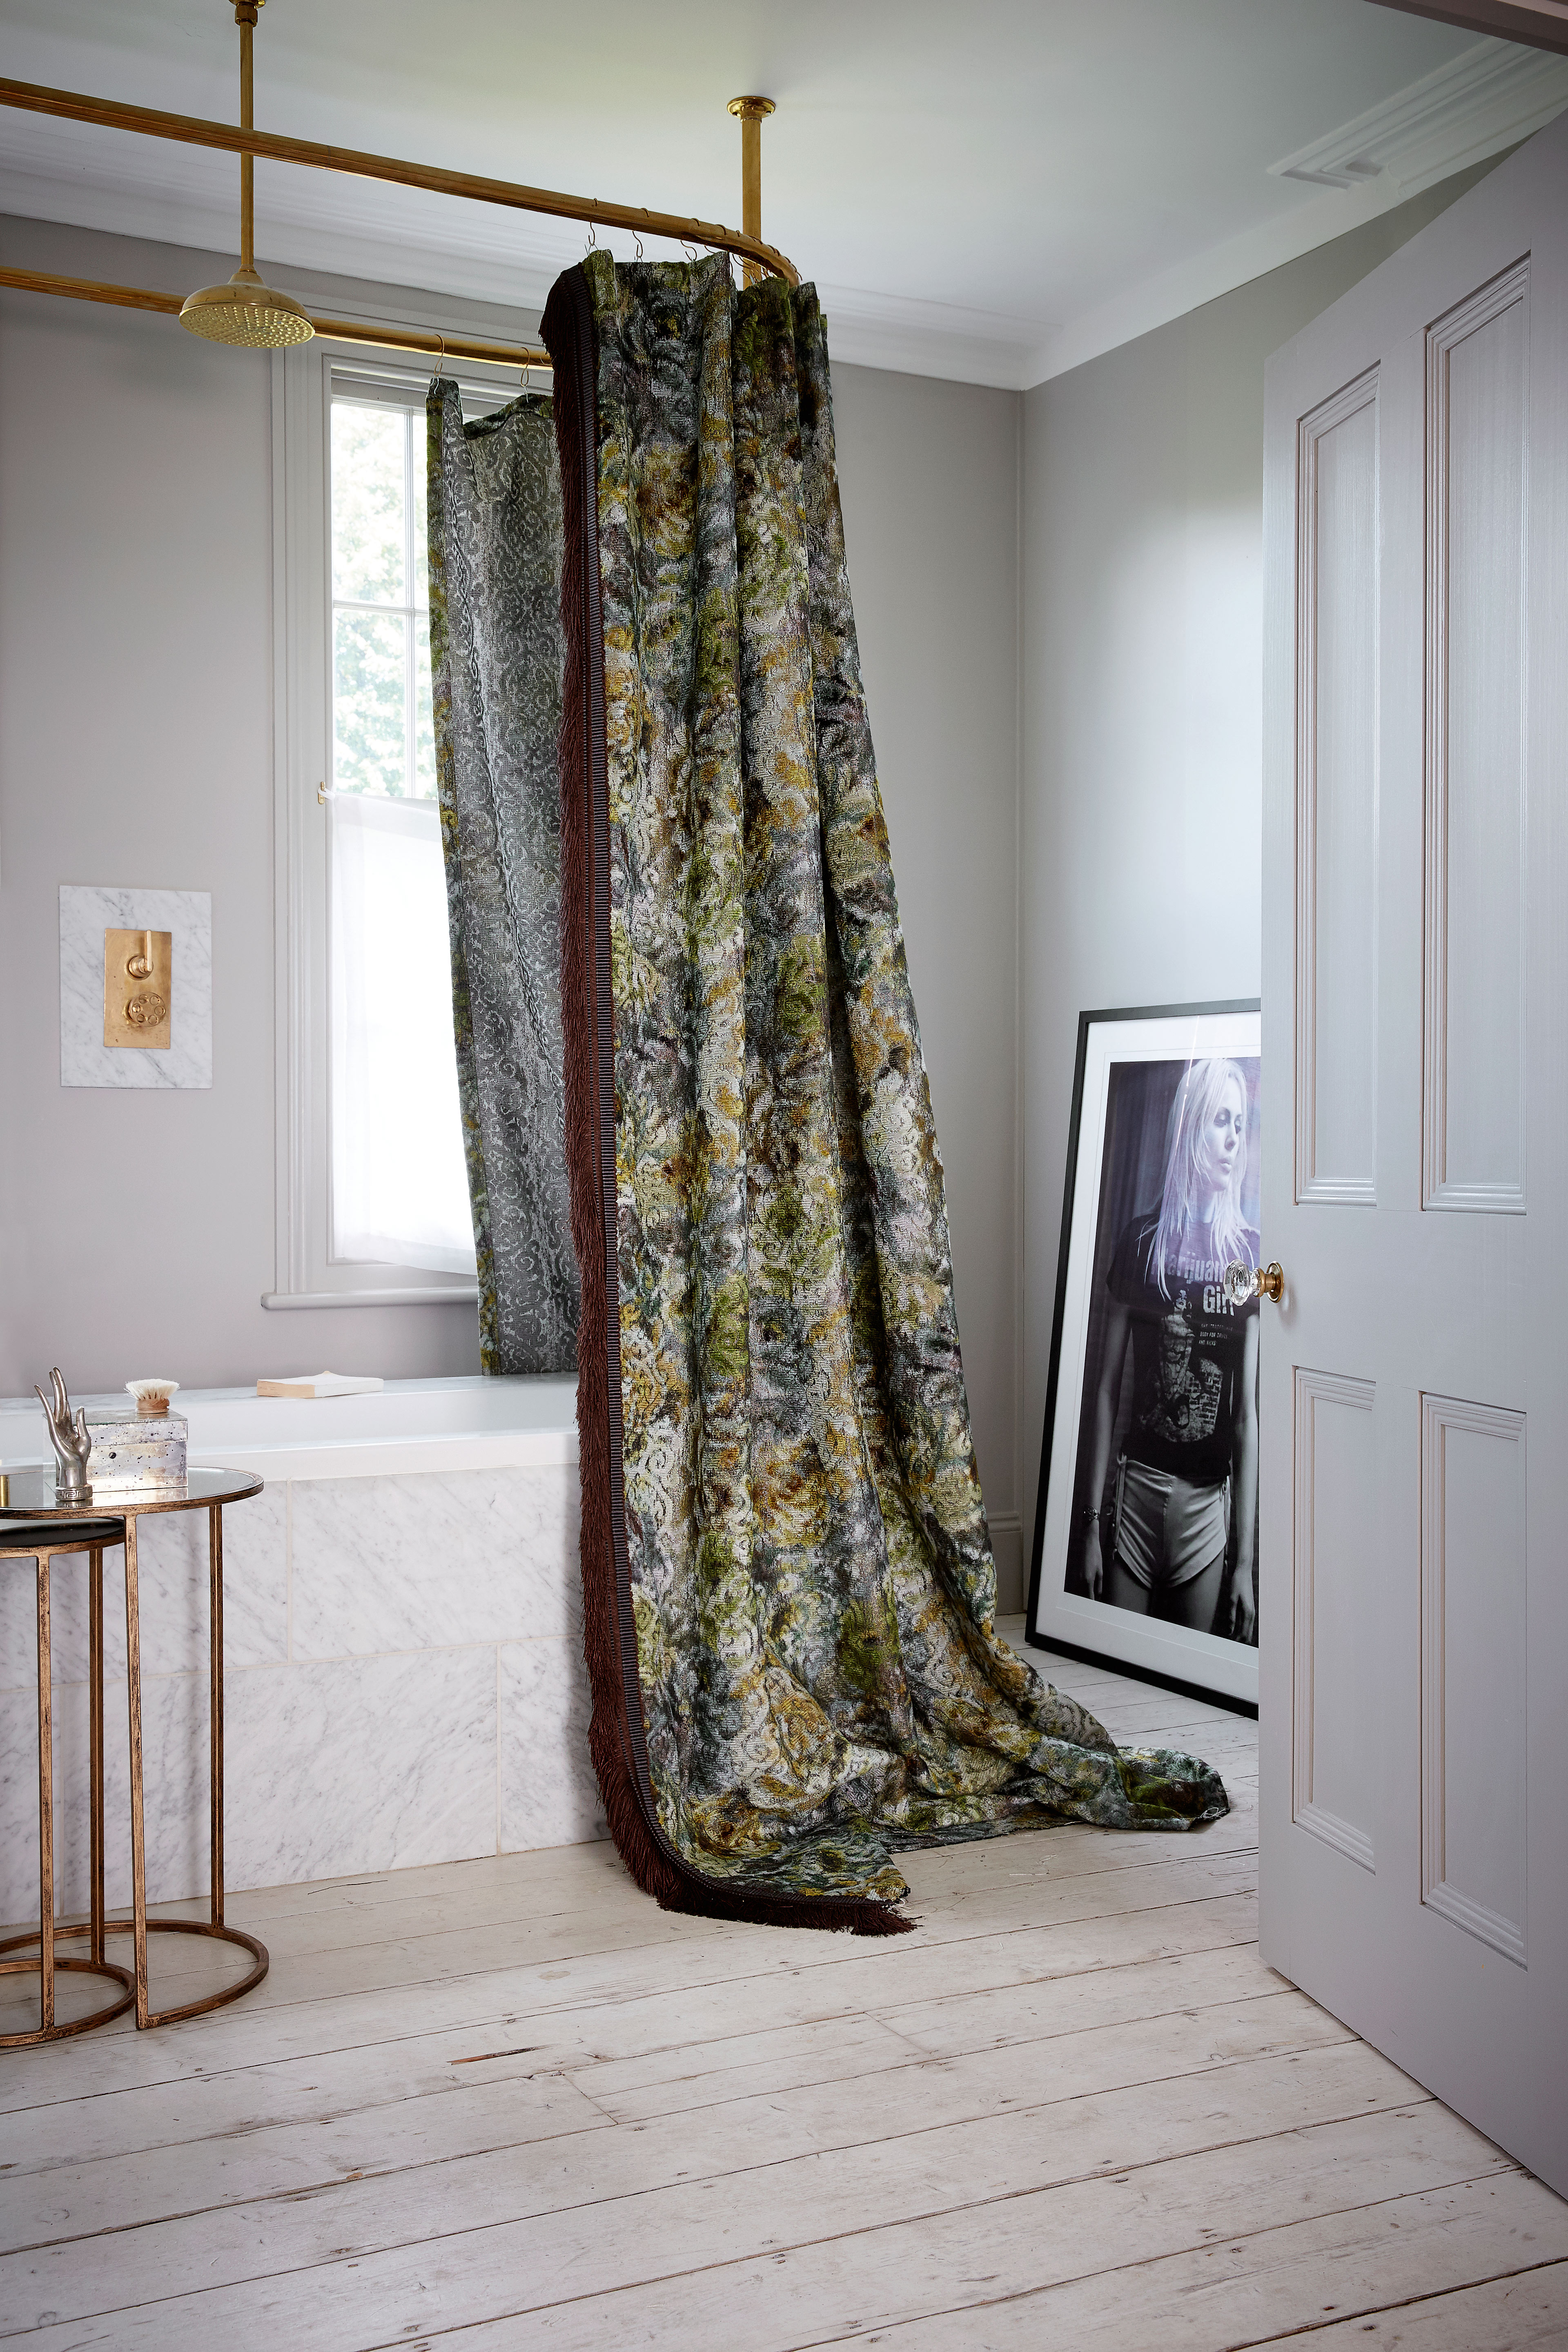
(244, 310)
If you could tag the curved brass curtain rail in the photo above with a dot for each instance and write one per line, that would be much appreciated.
(427, 340)
(192, 132)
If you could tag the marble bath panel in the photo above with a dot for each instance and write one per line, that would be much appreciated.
(86, 913)
(175, 1796)
(171, 1577)
(433, 1560)
(68, 1619)
(361, 1764)
(549, 1795)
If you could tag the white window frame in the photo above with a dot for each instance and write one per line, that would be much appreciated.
(307, 1275)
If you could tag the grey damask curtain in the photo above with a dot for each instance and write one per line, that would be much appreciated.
(495, 655)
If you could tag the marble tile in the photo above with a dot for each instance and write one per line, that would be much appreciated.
(171, 1572)
(68, 1619)
(172, 1555)
(174, 1795)
(256, 1579)
(86, 913)
(549, 1794)
(361, 1764)
(434, 1559)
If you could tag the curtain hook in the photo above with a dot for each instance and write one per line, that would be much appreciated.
(593, 235)
(441, 360)
(638, 242)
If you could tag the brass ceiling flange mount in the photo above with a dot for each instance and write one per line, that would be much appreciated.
(752, 112)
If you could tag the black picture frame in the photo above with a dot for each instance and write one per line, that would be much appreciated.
(1057, 1619)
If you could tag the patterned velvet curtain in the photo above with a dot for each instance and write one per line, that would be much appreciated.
(496, 654)
(788, 1580)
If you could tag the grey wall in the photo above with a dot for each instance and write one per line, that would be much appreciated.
(1142, 652)
(136, 1229)
(930, 484)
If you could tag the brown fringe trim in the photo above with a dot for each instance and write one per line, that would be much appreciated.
(616, 1734)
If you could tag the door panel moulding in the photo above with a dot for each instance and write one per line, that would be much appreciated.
(1473, 1633)
(1473, 1026)
(1336, 798)
(1334, 1465)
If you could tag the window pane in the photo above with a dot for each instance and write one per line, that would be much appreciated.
(370, 685)
(367, 503)
(400, 1186)
(423, 725)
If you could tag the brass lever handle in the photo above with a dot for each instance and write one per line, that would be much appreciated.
(1240, 1282)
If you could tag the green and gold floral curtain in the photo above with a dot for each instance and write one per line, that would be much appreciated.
(788, 1579)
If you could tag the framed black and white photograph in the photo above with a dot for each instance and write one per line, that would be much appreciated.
(1146, 1528)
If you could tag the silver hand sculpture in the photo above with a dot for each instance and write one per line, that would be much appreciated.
(70, 1440)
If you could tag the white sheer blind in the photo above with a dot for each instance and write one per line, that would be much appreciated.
(399, 1187)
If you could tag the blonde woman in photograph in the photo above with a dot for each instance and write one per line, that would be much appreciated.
(1188, 1472)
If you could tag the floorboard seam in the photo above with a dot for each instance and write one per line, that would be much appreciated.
(302, 2195)
(981, 2303)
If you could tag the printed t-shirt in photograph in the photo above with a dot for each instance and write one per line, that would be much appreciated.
(1187, 1346)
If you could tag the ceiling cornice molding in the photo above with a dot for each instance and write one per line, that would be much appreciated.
(1538, 23)
(1483, 101)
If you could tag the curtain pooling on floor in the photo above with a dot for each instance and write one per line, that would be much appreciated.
(496, 657)
(789, 1588)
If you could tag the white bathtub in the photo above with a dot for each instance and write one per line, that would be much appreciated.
(404, 1677)
(468, 1423)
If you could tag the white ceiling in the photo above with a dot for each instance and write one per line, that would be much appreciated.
(992, 191)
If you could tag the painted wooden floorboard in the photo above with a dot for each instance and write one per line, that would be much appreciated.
(1254, 2289)
(856, 2281)
(712, 2145)
(649, 2202)
(1527, 2313)
(510, 2103)
(658, 2030)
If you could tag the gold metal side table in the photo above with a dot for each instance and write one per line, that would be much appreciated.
(43, 1542)
(30, 1495)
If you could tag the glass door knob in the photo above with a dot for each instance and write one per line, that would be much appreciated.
(1240, 1281)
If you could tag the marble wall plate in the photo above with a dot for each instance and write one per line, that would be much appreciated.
(86, 913)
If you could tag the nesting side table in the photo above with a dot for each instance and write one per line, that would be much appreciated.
(43, 1543)
(30, 1495)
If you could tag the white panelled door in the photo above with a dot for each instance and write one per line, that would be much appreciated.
(1413, 1617)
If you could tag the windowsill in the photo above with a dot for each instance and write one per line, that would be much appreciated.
(460, 1294)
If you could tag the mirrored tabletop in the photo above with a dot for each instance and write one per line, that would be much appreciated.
(29, 1493)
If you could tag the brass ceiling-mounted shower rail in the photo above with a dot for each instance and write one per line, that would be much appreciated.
(247, 142)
